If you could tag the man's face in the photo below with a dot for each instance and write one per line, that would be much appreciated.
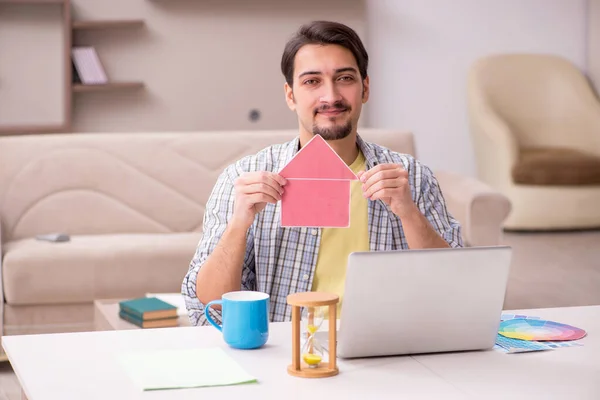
(327, 92)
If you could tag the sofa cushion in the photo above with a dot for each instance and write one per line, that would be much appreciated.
(556, 166)
(96, 266)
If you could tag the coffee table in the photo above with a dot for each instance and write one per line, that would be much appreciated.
(106, 317)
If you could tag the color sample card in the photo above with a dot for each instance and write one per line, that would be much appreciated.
(504, 317)
(519, 346)
(509, 345)
(539, 330)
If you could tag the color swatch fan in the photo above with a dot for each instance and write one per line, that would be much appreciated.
(540, 330)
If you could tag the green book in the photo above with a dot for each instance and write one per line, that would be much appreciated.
(148, 308)
(151, 323)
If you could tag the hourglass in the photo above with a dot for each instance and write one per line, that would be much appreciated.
(308, 353)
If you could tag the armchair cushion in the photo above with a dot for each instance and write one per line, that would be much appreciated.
(556, 166)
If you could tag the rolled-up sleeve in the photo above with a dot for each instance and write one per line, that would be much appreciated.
(433, 205)
(219, 209)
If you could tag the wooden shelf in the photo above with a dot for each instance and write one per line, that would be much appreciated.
(32, 1)
(108, 87)
(25, 129)
(70, 28)
(107, 24)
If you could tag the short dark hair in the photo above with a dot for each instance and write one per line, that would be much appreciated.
(323, 32)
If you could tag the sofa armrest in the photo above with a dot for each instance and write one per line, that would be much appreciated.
(479, 209)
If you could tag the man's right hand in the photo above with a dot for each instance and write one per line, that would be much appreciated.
(253, 190)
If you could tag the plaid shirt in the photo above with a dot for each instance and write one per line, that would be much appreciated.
(280, 261)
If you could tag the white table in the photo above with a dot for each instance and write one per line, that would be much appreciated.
(85, 366)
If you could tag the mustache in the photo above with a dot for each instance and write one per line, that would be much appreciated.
(337, 106)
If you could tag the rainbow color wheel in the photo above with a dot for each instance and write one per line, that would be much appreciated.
(539, 330)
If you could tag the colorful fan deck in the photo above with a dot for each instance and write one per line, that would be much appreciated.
(539, 330)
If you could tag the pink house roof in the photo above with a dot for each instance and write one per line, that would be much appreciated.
(317, 160)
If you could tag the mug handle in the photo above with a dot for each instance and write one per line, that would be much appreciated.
(207, 314)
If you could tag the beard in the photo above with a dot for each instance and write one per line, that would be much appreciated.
(335, 132)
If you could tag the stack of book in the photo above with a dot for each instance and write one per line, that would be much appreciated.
(148, 312)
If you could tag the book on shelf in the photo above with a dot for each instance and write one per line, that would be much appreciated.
(88, 66)
(75, 74)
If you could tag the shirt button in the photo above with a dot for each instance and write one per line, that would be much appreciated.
(305, 277)
(314, 232)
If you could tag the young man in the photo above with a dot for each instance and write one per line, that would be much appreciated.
(397, 204)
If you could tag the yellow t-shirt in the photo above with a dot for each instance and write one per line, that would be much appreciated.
(337, 243)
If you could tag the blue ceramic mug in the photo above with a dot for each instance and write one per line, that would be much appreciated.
(245, 317)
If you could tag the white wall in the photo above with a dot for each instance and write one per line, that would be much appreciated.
(31, 65)
(420, 52)
(205, 63)
(593, 43)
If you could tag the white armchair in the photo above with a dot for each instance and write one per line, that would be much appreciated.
(535, 124)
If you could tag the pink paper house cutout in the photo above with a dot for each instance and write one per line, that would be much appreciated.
(317, 193)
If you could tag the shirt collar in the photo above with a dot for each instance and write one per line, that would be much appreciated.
(291, 150)
(368, 152)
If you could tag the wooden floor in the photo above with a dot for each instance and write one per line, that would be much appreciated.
(548, 270)
(554, 269)
(9, 386)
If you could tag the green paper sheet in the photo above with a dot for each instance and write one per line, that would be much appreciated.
(176, 369)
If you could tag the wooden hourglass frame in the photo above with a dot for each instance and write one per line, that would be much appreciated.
(312, 300)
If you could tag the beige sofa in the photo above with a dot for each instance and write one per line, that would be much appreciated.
(133, 204)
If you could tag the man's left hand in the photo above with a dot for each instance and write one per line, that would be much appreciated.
(389, 183)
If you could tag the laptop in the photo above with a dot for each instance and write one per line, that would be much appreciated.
(422, 301)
